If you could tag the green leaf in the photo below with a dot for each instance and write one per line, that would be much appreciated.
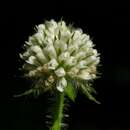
(87, 92)
(70, 91)
(91, 89)
(25, 93)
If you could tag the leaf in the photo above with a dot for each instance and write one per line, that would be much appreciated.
(88, 94)
(25, 93)
(91, 89)
(70, 91)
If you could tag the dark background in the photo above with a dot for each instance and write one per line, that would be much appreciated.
(107, 24)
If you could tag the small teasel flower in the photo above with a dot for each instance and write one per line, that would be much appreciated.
(63, 58)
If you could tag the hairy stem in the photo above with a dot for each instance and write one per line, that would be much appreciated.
(58, 113)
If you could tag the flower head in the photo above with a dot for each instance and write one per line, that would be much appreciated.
(59, 55)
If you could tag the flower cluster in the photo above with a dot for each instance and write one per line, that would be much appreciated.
(57, 52)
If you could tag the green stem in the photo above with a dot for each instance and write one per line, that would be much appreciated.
(58, 113)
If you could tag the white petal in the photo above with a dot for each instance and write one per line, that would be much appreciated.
(31, 41)
(41, 27)
(71, 61)
(94, 52)
(51, 25)
(31, 60)
(60, 46)
(97, 61)
(47, 41)
(92, 59)
(57, 45)
(41, 57)
(31, 73)
(93, 76)
(39, 53)
(62, 26)
(40, 37)
(73, 47)
(65, 36)
(73, 71)
(77, 34)
(64, 56)
(82, 64)
(89, 43)
(50, 51)
(63, 46)
(60, 72)
(36, 49)
(84, 75)
(84, 37)
(28, 43)
(25, 55)
(80, 55)
(60, 88)
(52, 64)
(62, 83)
(85, 48)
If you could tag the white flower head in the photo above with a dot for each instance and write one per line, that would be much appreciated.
(57, 51)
